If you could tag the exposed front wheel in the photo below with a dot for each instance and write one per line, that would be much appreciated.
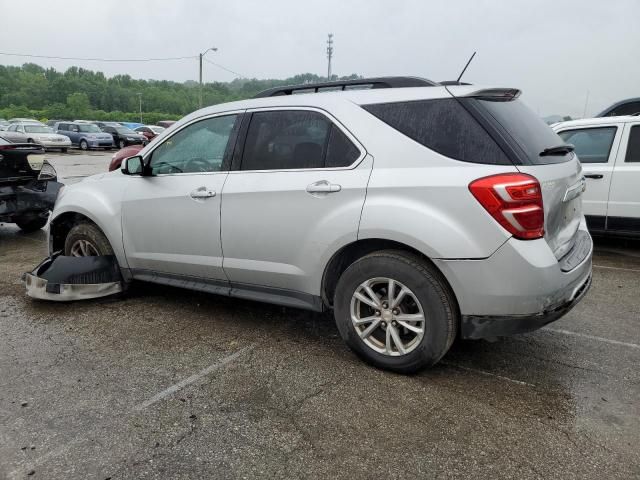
(31, 224)
(395, 311)
(84, 145)
(86, 240)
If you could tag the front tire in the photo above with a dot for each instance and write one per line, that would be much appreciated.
(84, 145)
(395, 311)
(86, 240)
(31, 224)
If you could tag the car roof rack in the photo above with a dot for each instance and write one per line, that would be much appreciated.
(361, 83)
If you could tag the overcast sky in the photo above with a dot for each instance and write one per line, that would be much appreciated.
(554, 50)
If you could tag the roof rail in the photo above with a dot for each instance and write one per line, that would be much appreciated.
(378, 82)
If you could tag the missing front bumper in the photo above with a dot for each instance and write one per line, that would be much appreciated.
(64, 279)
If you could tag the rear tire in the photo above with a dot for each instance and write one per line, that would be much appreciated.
(427, 294)
(122, 144)
(31, 224)
(63, 150)
(86, 239)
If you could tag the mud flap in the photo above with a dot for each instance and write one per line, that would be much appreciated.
(63, 279)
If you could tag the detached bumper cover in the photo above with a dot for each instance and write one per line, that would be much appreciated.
(475, 326)
(65, 279)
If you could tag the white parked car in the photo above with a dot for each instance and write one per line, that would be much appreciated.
(39, 133)
(609, 150)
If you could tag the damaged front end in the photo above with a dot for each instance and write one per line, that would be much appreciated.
(63, 279)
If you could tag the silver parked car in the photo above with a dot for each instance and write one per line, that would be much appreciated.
(417, 212)
(39, 133)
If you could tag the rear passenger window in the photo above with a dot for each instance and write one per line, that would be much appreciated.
(442, 125)
(592, 144)
(633, 146)
(295, 139)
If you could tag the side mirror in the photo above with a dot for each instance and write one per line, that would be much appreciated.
(132, 166)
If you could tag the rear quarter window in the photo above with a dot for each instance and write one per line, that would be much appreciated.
(442, 125)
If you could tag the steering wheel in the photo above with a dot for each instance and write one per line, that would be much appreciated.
(197, 165)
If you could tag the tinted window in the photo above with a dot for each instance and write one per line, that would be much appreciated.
(88, 128)
(286, 140)
(341, 152)
(442, 125)
(592, 144)
(200, 147)
(527, 130)
(633, 146)
(630, 108)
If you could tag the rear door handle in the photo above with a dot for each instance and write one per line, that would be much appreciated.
(595, 176)
(323, 186)
(202, 192)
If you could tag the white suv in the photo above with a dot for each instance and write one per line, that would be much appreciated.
(609, 150)
(418, 212)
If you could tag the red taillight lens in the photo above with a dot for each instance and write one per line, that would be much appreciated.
(514, 200)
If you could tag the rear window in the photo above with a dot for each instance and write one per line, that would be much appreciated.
(592, 144)
(442, 125)
(527, 130)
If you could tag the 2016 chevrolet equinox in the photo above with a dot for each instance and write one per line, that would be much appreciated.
(418, 213)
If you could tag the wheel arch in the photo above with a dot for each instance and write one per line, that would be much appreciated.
(351, 252)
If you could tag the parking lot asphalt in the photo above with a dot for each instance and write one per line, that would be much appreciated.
(168, 383)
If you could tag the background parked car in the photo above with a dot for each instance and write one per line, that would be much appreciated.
(123, 136)
(120, 155)
(165, 123)
(24, 120)
(3, 124)
(14, 136)
(150, 131)
(131, 125)
(85, 135)
(630, 106)
(41, 134)
(609, 150)
(107, 124)
(29, 186)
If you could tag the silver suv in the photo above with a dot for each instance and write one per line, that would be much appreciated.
(417, 212)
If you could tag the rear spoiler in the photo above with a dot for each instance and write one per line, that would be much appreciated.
(496, 94)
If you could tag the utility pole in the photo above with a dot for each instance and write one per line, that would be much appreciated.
(329, 55)
(586, 102)
(140, 99)
(201, 56)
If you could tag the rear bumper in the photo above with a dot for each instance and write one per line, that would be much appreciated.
(519, 288)
(33, 198)
(477, 326)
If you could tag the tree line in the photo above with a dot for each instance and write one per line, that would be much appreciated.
(45, 93)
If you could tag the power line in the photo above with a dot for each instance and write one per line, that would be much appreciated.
(223, 68)
(100, 59)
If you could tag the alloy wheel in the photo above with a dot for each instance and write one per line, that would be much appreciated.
(84, 248)
(387, 316)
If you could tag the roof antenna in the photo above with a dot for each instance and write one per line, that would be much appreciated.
(465, 67)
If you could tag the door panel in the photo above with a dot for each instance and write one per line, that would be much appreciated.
(171, 216)
(624, 198)
(276, 233)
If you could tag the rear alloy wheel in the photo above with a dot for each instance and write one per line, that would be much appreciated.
(84, 145)
(30, 140)
(86, 240)
(31, 224)
(396, 311)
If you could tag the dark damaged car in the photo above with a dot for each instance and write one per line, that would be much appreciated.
(28, 185)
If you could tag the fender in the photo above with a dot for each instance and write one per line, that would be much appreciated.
(99, 201)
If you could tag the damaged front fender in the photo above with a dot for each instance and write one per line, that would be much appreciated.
(63, 279)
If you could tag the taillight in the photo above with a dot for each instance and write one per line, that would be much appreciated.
(514, 200)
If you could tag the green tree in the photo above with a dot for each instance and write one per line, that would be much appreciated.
(78, 104)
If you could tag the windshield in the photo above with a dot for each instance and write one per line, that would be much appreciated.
(89, 128)
(125, 131)
(526, 128)
(37, 129)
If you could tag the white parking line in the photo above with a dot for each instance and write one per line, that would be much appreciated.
(618, 268)
(592, 337)
(489, 374)
(193, 378)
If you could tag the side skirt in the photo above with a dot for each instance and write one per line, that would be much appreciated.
(259, 293)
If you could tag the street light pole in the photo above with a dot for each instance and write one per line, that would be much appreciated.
(140, 99)
(201, 56)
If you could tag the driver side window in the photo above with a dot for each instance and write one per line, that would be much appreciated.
(200, 147)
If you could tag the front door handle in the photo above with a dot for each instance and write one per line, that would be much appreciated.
(202, 192)
(323, 186)
(596, 176)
